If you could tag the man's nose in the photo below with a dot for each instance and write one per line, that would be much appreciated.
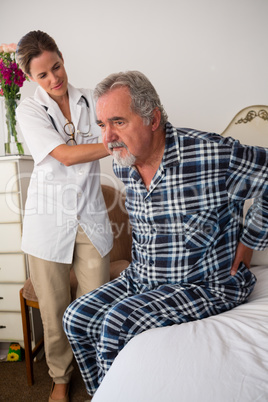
(110, 133)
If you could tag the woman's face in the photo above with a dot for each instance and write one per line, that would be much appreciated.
(49, 72)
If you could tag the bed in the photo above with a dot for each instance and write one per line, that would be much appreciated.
(223, 358)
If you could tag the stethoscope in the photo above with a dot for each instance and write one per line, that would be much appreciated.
(87, 134)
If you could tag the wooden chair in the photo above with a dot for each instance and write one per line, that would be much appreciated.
(120, 257)
(30, 353)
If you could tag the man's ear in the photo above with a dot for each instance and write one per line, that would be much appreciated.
(156, 119)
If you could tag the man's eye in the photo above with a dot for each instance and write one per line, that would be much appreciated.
(119, 123)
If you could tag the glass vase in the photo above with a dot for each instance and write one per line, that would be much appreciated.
(12, 144)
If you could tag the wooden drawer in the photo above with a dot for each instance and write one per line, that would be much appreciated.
(9, 177)
(10, 327)
(12, 268)
(9, 297)
(10, 210)
(10, 235)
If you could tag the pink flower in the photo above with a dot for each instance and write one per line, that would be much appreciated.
(1, 92)
(11, 48)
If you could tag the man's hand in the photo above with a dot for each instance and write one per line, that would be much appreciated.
(243, 254)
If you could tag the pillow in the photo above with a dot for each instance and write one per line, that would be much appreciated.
(260, 257)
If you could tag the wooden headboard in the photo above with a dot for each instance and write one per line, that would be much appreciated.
(250, 126)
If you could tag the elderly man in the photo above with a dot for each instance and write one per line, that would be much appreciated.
(185, 192)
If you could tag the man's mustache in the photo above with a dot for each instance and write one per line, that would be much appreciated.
(116, 144)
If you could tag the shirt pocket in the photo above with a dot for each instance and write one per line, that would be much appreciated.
(200, 229)
(94, 132)
(88, 137)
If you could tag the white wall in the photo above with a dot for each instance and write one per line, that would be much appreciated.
(207, 58)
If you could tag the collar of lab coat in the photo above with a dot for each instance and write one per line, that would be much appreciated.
(42, 97)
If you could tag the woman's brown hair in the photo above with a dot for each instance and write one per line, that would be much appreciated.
(32, 45)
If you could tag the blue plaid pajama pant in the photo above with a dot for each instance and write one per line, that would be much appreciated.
(99, 324)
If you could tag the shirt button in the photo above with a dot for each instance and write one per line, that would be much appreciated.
(79, 195)
(79, 217)
(80, 172)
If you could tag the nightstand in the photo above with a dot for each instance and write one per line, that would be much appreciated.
(15, 176)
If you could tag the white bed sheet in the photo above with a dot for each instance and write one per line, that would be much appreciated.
(218, 359)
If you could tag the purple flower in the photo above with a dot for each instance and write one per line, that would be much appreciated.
(11, 76)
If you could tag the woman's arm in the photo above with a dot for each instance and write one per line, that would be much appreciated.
(82, 153)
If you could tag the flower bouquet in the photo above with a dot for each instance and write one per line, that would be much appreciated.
(11, 80)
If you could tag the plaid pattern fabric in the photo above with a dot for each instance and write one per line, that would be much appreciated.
(186, 227)
(99, 324)
(185, 233)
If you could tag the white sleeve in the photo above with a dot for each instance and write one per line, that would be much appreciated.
(37, 129)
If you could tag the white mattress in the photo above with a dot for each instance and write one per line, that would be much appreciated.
(218, 359)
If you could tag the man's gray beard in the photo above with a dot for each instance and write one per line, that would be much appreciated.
(126, 161)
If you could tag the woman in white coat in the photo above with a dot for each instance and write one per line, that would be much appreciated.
(66, 223)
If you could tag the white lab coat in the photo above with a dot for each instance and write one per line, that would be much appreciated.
(60, 198)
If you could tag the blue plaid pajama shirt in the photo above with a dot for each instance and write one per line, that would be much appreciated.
(185, 233)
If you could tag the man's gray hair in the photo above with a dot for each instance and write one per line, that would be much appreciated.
(143, 95)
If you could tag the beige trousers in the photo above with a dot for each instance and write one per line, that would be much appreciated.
(51, 282)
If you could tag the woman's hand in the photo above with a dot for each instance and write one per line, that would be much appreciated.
(82, 153)
(243, 254)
